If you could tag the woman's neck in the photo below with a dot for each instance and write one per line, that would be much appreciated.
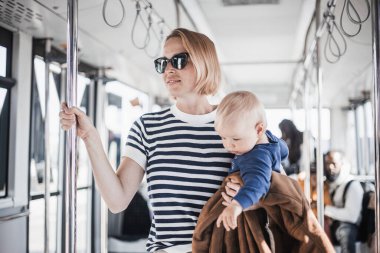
(196, 105)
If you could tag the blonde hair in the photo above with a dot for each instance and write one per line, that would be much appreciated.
(240, 106)
(204, 58)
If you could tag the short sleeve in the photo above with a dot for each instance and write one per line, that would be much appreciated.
(136, 144)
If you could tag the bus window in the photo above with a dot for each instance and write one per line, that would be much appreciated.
(3, 60)
(362, 136)
(6, 41)
(369, 139)
(125, 105)
(37, 157)
(4, 136)
(37, 160)
(6, 38)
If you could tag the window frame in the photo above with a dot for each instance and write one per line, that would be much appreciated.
(6, 82)
(6, 40)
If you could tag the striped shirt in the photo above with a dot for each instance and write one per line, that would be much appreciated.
(185, 163)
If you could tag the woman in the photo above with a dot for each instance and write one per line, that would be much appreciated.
(177, 148)
(294, 138)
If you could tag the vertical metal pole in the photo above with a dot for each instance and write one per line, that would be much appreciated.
(101, 99)
(319, 157)
(71, 98)
(293, 110)
(306, 141)
(62, 170)
(366, 143)
(178, 17)
(47, 146)
(376, 110)
(359, 157)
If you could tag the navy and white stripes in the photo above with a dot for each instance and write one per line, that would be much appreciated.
(185, 163)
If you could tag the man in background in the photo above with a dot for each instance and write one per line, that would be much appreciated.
(345, 210)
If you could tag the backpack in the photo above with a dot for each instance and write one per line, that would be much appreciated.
(366, 227)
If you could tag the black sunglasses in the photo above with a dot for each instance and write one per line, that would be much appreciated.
(178, 61)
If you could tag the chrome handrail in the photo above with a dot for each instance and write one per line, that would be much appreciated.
(47, 147)
(71, 146)
(14, 216)
(376, 110)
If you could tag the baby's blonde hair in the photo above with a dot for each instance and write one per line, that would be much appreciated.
(241, 106)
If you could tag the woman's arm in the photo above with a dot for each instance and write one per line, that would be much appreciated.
(117, 189)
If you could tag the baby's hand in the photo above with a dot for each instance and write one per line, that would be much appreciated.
(229, 215)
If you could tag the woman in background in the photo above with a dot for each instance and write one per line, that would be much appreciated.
(294, 139)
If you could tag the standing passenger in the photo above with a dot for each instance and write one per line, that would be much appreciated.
(177, 148)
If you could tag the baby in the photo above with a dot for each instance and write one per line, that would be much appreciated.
(241, 123)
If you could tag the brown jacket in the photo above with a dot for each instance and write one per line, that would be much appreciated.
(289, 225)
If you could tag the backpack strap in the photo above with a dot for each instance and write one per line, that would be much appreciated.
(345, 191)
